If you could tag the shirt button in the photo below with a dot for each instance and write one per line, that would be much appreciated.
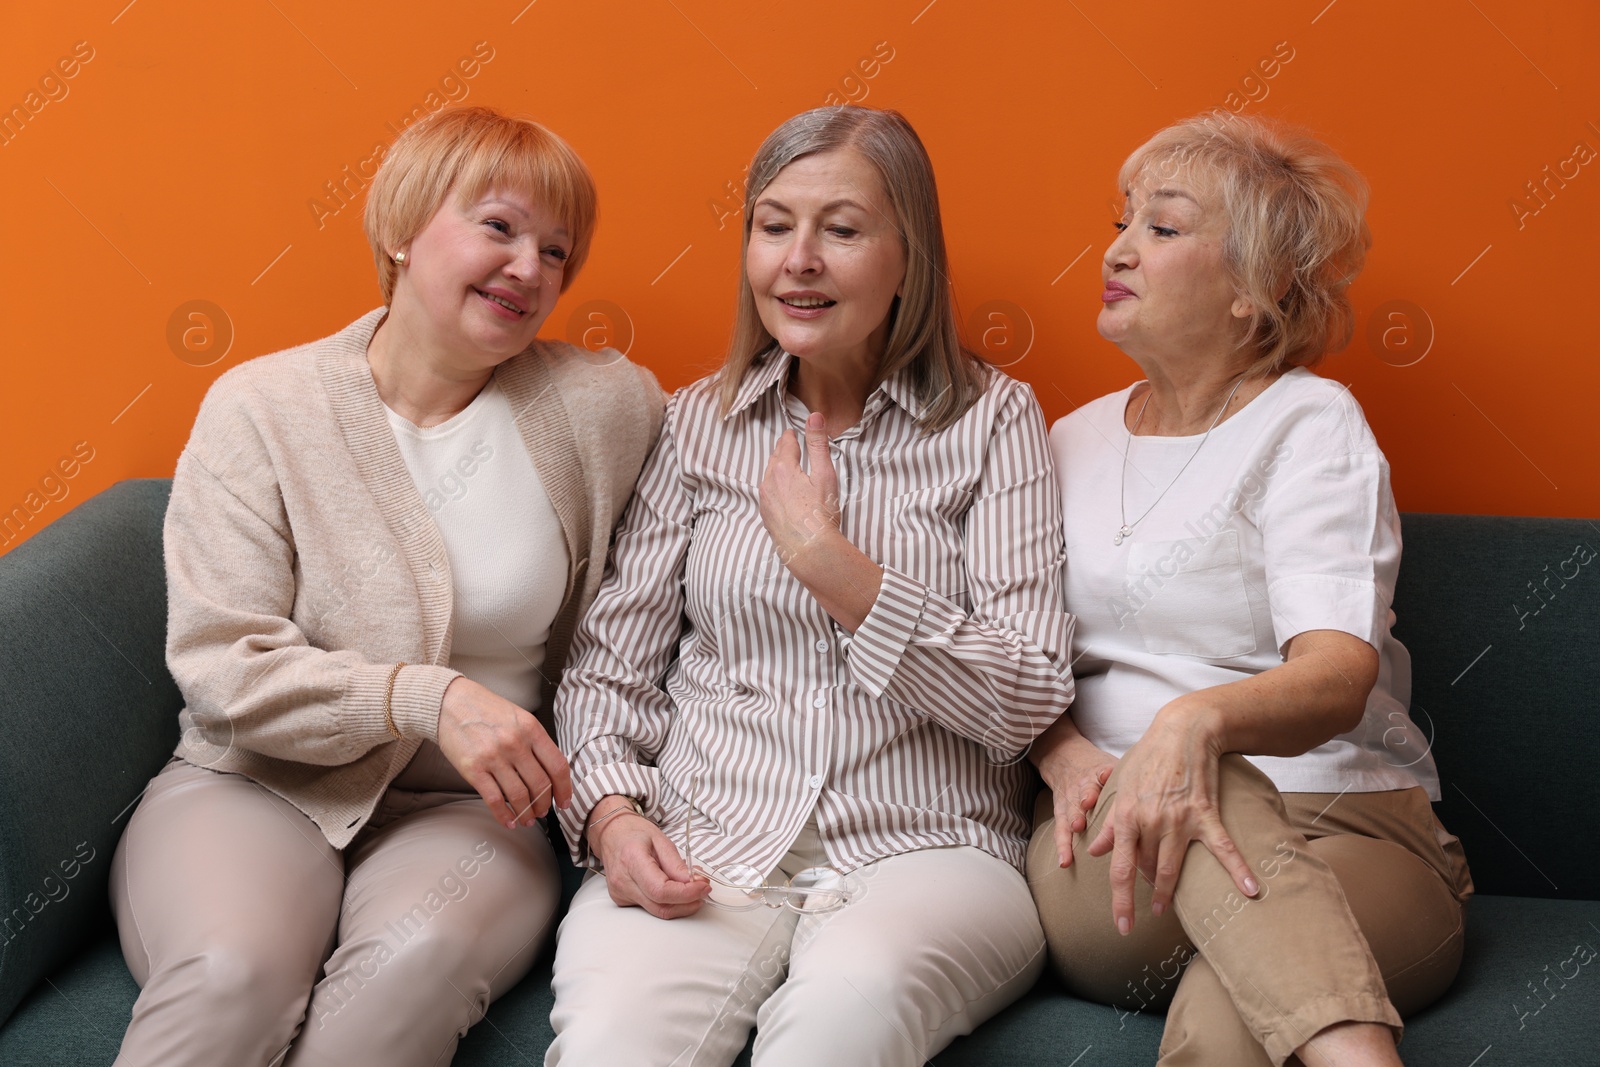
(821, 645)
(819, 701)
(815, 781)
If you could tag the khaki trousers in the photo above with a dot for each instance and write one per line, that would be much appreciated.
(1358, 918)
(935, 942)
(244, 928)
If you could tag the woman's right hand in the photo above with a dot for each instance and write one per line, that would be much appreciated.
(642, 865)
(1075, 771)
(503, 752)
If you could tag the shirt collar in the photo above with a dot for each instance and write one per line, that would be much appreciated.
(772, 370)
(767, 371)
(902, 389)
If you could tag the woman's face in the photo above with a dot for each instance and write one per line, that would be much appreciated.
(485, 275)
(1165, 289)
(825, 259)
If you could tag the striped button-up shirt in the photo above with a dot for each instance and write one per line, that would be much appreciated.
(702, 656)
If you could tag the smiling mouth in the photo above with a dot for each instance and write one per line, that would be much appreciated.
(807, 301)
(508, 305)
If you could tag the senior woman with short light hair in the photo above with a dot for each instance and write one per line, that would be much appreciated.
(1239, 760)
(377, 549)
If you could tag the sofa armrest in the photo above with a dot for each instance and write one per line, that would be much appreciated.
(88, 714)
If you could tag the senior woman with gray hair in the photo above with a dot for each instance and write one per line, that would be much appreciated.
(833, 623)
(377, 549)
(1261, 853)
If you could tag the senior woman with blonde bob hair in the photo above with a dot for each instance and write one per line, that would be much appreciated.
(1261, 852)
(377, 549)
(797, 711)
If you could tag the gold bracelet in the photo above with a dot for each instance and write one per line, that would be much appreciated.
(388, 699)
(630, 808)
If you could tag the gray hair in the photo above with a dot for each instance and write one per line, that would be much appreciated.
(922, 322)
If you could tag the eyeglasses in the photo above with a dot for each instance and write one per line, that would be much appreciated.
(740, 887)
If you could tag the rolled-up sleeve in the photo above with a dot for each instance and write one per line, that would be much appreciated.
(999, 672)
(1332, 541)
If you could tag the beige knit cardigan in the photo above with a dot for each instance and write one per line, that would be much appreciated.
(302, 563)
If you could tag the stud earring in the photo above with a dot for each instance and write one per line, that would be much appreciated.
(400, 259)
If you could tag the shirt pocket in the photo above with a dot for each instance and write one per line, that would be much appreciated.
(922, 534)
(1189, 597)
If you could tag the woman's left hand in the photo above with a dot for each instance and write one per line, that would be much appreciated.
(795, 507)
(1166, 798)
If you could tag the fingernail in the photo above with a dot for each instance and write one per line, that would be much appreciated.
(1157, 909)
(1250, 886)
(1123, 926)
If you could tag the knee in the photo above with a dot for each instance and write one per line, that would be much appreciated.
(605, 1032)
(842, 1018)
(1249, 803)
(245, 983)
(1062, 895)
(432, 962)
(1235, 772)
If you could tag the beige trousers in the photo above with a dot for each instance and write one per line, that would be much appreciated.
(935, 942)
(256, 942)
(1358, 918)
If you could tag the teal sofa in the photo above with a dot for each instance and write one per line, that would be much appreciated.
(1502, 617)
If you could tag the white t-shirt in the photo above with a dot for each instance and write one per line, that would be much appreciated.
(507, 553)
(1283, 523)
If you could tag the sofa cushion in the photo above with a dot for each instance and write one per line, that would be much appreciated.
(1488, 1018)
(88, 714)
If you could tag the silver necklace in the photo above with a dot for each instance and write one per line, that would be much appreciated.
(1122, 499)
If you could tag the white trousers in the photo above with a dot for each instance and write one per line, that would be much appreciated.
(935, 942)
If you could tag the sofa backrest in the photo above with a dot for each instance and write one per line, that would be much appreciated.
(88, 714)
(1502, 619)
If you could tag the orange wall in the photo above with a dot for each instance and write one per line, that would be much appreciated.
(184, 159)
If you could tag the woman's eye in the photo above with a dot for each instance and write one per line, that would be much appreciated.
(499, 225)
(842, 231)
(773, 228)
(1164, 231)
(1119, 226)
(557, 253)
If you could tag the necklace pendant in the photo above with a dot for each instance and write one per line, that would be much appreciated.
(1124, 532)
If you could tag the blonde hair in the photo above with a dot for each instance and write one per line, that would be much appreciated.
(468, 151)
(1297, 232)
(922, 321)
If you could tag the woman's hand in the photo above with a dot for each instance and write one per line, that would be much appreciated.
(642, 867)
(503, 752)
(1166, 798)
(801, 514)
(795, 507)
(1076, 771)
